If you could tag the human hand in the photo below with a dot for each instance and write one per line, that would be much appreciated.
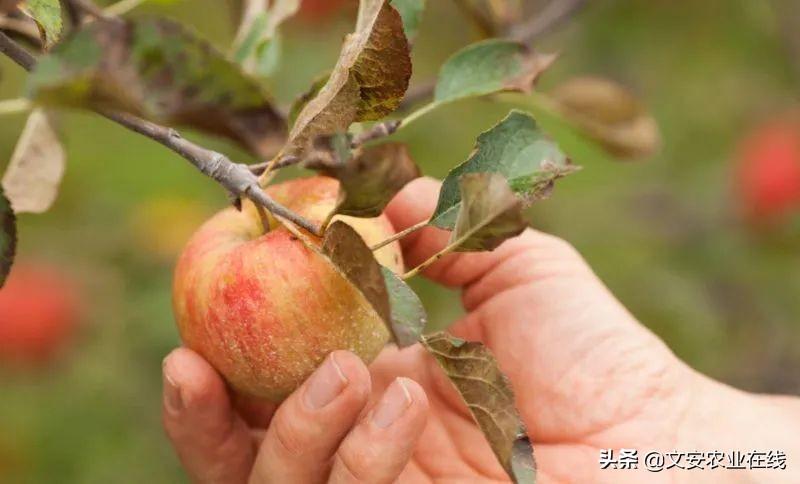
(586, 374)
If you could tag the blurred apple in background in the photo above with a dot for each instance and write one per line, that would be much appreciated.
(39, 314)
(319, 9)
(161, 226)
(768, 171)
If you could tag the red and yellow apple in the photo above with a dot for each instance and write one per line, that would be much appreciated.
(39, 313)
(263, 308)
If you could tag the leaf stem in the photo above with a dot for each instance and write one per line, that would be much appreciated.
(122, 7)
(399, 235)
(14, 106)
(450, 248)
(418, 114)
(234, 177)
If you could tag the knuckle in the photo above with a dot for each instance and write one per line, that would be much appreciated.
(291, 438)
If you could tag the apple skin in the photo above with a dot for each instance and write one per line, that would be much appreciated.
(263, 308)
(768, 171)
(39, 312)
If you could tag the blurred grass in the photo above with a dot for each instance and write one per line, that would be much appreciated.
(662, 234)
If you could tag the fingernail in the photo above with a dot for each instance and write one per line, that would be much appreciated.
(393, 404)
(172, 393)
(325, 384)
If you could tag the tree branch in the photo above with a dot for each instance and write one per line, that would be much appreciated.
(16, 53)
(235, 177)
(555, 13)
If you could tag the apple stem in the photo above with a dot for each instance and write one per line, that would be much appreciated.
(399, 235)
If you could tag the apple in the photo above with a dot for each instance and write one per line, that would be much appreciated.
(39, 312)
(768, 171)
(263, 308)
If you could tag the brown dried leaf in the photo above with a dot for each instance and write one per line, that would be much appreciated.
(8, 6)
(37, 165)
(476, 375)
(368, 82)
(371, 178)
(490, 213)
(610, 115)
(352, 257)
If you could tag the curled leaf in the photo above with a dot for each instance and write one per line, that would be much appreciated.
(489, 67)
(515, 148)
(300, 103)
(369, 79)
(47, 15)
(157, 69)
(408, 316)
(371, 178)
(474, 372)
(8, 237)
(37, 165)
(608, 114)
(352, 257)
(490, 213)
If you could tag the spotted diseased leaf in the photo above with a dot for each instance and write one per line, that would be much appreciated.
(515, 148)
(37, 165)
(47, 15)
(476, 375)
(257, 43)
(408, 316)
(609, 115)
(368, 82)
(411, 12)
(371, 178)
(490, 213)
(489, 67)
(157, 69)
(8, 237)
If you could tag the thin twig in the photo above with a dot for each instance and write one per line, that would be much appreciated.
(481, 21)
(13, 106)
(122, 7)
(378, 131)
(22, 26)
(399, 235)
(283, 162)
(16, 53)
(234, 177)
(553, 15)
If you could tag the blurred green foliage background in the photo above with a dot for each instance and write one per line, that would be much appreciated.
(663, 234)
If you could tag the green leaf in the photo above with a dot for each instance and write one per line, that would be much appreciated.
(8, 237)
(411, 12)
(47, 15)
(515, 148)
(490, 213)
(488, 67)
(408, 316)
(157, 69)
(37, 165)
(258, 43)
(368, 82)
(609, 115)
(371, 178)
(476, 375)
